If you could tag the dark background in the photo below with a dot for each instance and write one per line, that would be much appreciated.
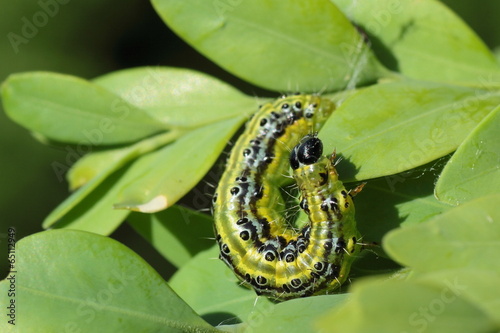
(88, 39)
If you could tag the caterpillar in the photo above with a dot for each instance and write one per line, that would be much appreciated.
(264, 250)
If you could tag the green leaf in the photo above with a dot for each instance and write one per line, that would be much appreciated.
(178, 168)
(214, 292)
(68, 280)
(389, 128)
(397, 200)
(297, 315)
(69, 109)
(424, 40)
(478, 287)
(99, 164)
(96, 166)
(93, 206)
(406, 306)
(178, 97)
(178, 233)
(90, 208)
(465, 236)
(474, 169)
(301, 45)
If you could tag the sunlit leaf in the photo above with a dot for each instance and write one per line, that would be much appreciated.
(178, 97)
(424, 40)
(389, 128)
(68, 280)
(474, 169)
(70, 109)
(280, 45)
(465, 236)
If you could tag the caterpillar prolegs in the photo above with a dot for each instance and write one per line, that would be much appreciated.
(263, 249)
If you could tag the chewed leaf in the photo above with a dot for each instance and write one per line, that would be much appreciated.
(178, 97)
(474, 169)
(78, 280)
(69, 109)
(280, 45)
(389, 128)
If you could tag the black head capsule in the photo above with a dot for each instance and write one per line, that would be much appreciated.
(308, 152)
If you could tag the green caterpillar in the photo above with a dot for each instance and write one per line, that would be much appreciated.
(263, 249)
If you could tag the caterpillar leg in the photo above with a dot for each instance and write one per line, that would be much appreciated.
(356, 190)
(333, 156)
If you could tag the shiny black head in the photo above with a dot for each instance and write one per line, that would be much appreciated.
(307, 152)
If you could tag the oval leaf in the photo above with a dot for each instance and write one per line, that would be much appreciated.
(465, 236)
(178, 97)
(279, 45)
(69, 109)
(389, 128)
(101, 164)
(479, 287)
(406, 306)
(92, 207)
(177, 168)
(474, 169)
(69, 280)
(424, 40)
